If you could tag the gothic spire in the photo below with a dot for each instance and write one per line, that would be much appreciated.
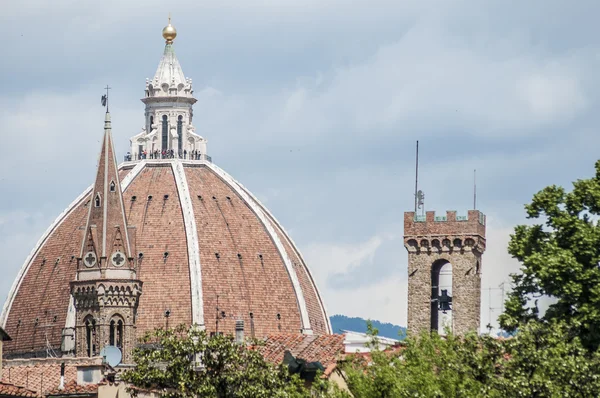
(106, 237)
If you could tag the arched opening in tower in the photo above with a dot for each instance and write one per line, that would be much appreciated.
(441, 296)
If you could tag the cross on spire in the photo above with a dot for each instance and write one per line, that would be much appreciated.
(105, 98)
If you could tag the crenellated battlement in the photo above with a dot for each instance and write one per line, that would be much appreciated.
(447, 225)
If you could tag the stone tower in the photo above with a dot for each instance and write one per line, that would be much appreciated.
(436, 245)
(106, 290)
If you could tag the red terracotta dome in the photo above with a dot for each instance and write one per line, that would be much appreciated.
(199, 246)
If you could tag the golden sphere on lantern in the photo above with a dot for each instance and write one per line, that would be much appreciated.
(169, 32)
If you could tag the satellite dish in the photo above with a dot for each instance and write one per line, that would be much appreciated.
(112, 355)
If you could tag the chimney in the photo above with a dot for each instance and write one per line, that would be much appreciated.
(239, 331)
(61, 386)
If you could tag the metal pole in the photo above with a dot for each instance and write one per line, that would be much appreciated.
(502, 304)
(490, 308)
(416, 177)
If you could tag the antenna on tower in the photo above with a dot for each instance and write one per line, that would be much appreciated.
(417, 179)
(475, 189)
(419, 195)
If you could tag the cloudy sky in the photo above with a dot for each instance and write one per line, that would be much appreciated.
(315, 106)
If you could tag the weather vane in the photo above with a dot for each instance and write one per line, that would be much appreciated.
(104, 99)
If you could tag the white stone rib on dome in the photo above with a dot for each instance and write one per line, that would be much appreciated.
(257, 209)
(192, 243)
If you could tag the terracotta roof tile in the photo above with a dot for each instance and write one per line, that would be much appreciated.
(366, 356)
(327, 349)
(15, 391)
(73, 388)
(43, 375)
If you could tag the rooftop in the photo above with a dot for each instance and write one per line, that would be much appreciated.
(72, 388)
(327, 349)
(43, 375)
(8, 389)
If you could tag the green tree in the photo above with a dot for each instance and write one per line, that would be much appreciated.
(428, 365)
(560, 256)
(185, 362)
(546, 360)
(538, 362)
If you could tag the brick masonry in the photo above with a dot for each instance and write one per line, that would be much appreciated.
(431, 241)
(255, 281)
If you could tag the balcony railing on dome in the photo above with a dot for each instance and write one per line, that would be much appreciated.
(167, 155)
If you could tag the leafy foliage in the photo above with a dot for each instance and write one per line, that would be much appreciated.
(560, 256)
(426, 365)
(546, 360)
(185, 362)
(537, 362)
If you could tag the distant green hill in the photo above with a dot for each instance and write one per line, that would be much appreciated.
(342, 322)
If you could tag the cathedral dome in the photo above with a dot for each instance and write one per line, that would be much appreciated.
(199, 248)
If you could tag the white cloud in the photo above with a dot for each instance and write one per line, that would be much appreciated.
(552, 97)
(382, 300)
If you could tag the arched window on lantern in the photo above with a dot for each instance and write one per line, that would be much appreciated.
(180, 135)
(165, 133)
